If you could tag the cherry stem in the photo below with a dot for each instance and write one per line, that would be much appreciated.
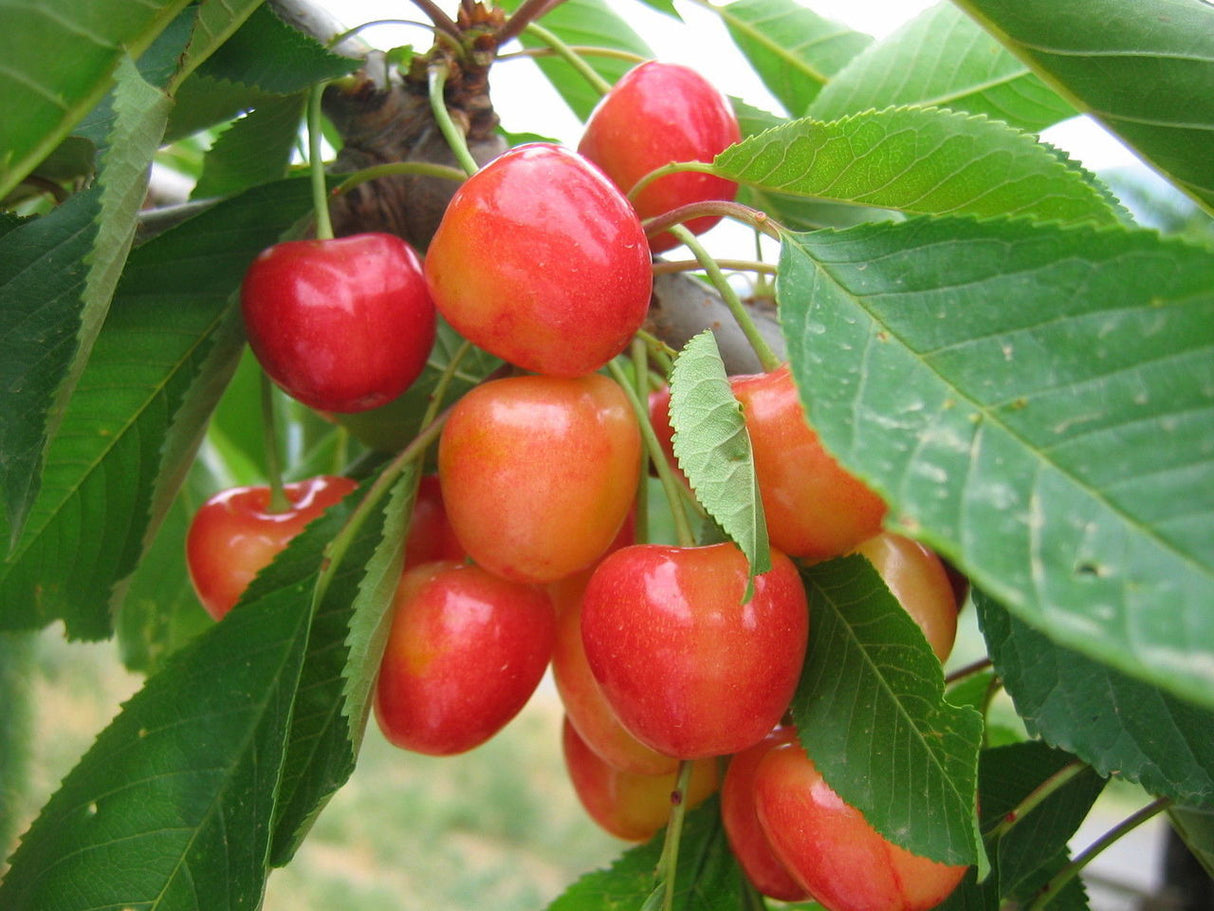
(320, 190)
(767, 358)
(975, 667)
(396, 169)
(668, 863)
(455, 137)
(1050, 890)
(670, 484)
(371, 23)
(1036, 798)
(755, 218)
(581, 50)
(640, 378)
(667, 267)
(572, 57)
(269, 429)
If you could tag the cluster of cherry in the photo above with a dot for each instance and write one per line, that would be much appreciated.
(521, 551)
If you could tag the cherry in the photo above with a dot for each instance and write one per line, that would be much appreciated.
(745, 833)
(343, 324)
(688, 667)
(814, 508)
(541, 261)
(831, 850)
(917, 578)
(464, 654)
(233, 535)
(539, 473)
(628, 805)
(431, 536)
(659, 113)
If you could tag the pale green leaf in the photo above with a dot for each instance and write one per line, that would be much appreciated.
(941, 58)
(1034, 402)
(713, 448)
(917, 160)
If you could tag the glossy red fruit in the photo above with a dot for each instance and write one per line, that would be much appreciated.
(687, 667)
(656, 114)
(431, 536)
(541, 261)
(740, 819)
(831, 850)
(341, 325)
(627, 805)
(917, 578)
(814, 507)
(538, 473)
(465, 652)
(234, 536)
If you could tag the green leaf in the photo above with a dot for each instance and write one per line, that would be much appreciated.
(174, 803)
(1149, 78)
(214, 24)
(707, 878)
(871, 713)
(1196, 829)
(60, 58)
(917, 160)
(1118, 724)
(54, 311)
(584, 22)
(169, 343)
(255, 149)
(792, 49)
(941, 58)
(1034, 402)
(713, 449)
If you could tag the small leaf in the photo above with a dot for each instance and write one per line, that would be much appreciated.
(1034, 403)
(942, 58)
(713, 449)
(871, 713)
(917, 160)
(255, 149)
(1119, 725)
(792, 49)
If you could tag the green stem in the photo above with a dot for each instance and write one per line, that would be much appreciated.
(670, 484)
(269, 430)
(398, 168)
(581, 50)
(585, 70)
(669, 862)
(720, 208)
(640, 377)
(666, 267)
(1038, 796)
(455, 137)
(320, 190)
(767, 358)
(1051, 889)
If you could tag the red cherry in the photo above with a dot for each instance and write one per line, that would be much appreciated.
(831, 850)
(431, 536)
(465, 652)
(341, 325)
(541, 261)
(688, 668)
(234, 536)
(656, 114)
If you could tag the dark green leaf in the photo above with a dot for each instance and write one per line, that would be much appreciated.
(1034, 402)
(713, 449)
(60, 58)
(173, 805)
(1196, 828)
(127, 437)
(793, 49)
(255, 149)
(917, 160)
(1147, 76)
(708, 878)
(1116, 723)
(214, 24)
(871, 713)
(942, 58)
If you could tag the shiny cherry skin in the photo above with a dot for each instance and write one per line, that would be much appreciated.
(815, 509)
(540, 260)
(629, 806)
(342, 325)
(658, 113)
(464, 654)
(917, 578)
(234, 536)
(430, 536)
(740, 819)
(539, 473)
(688, 668)
(831, 850)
